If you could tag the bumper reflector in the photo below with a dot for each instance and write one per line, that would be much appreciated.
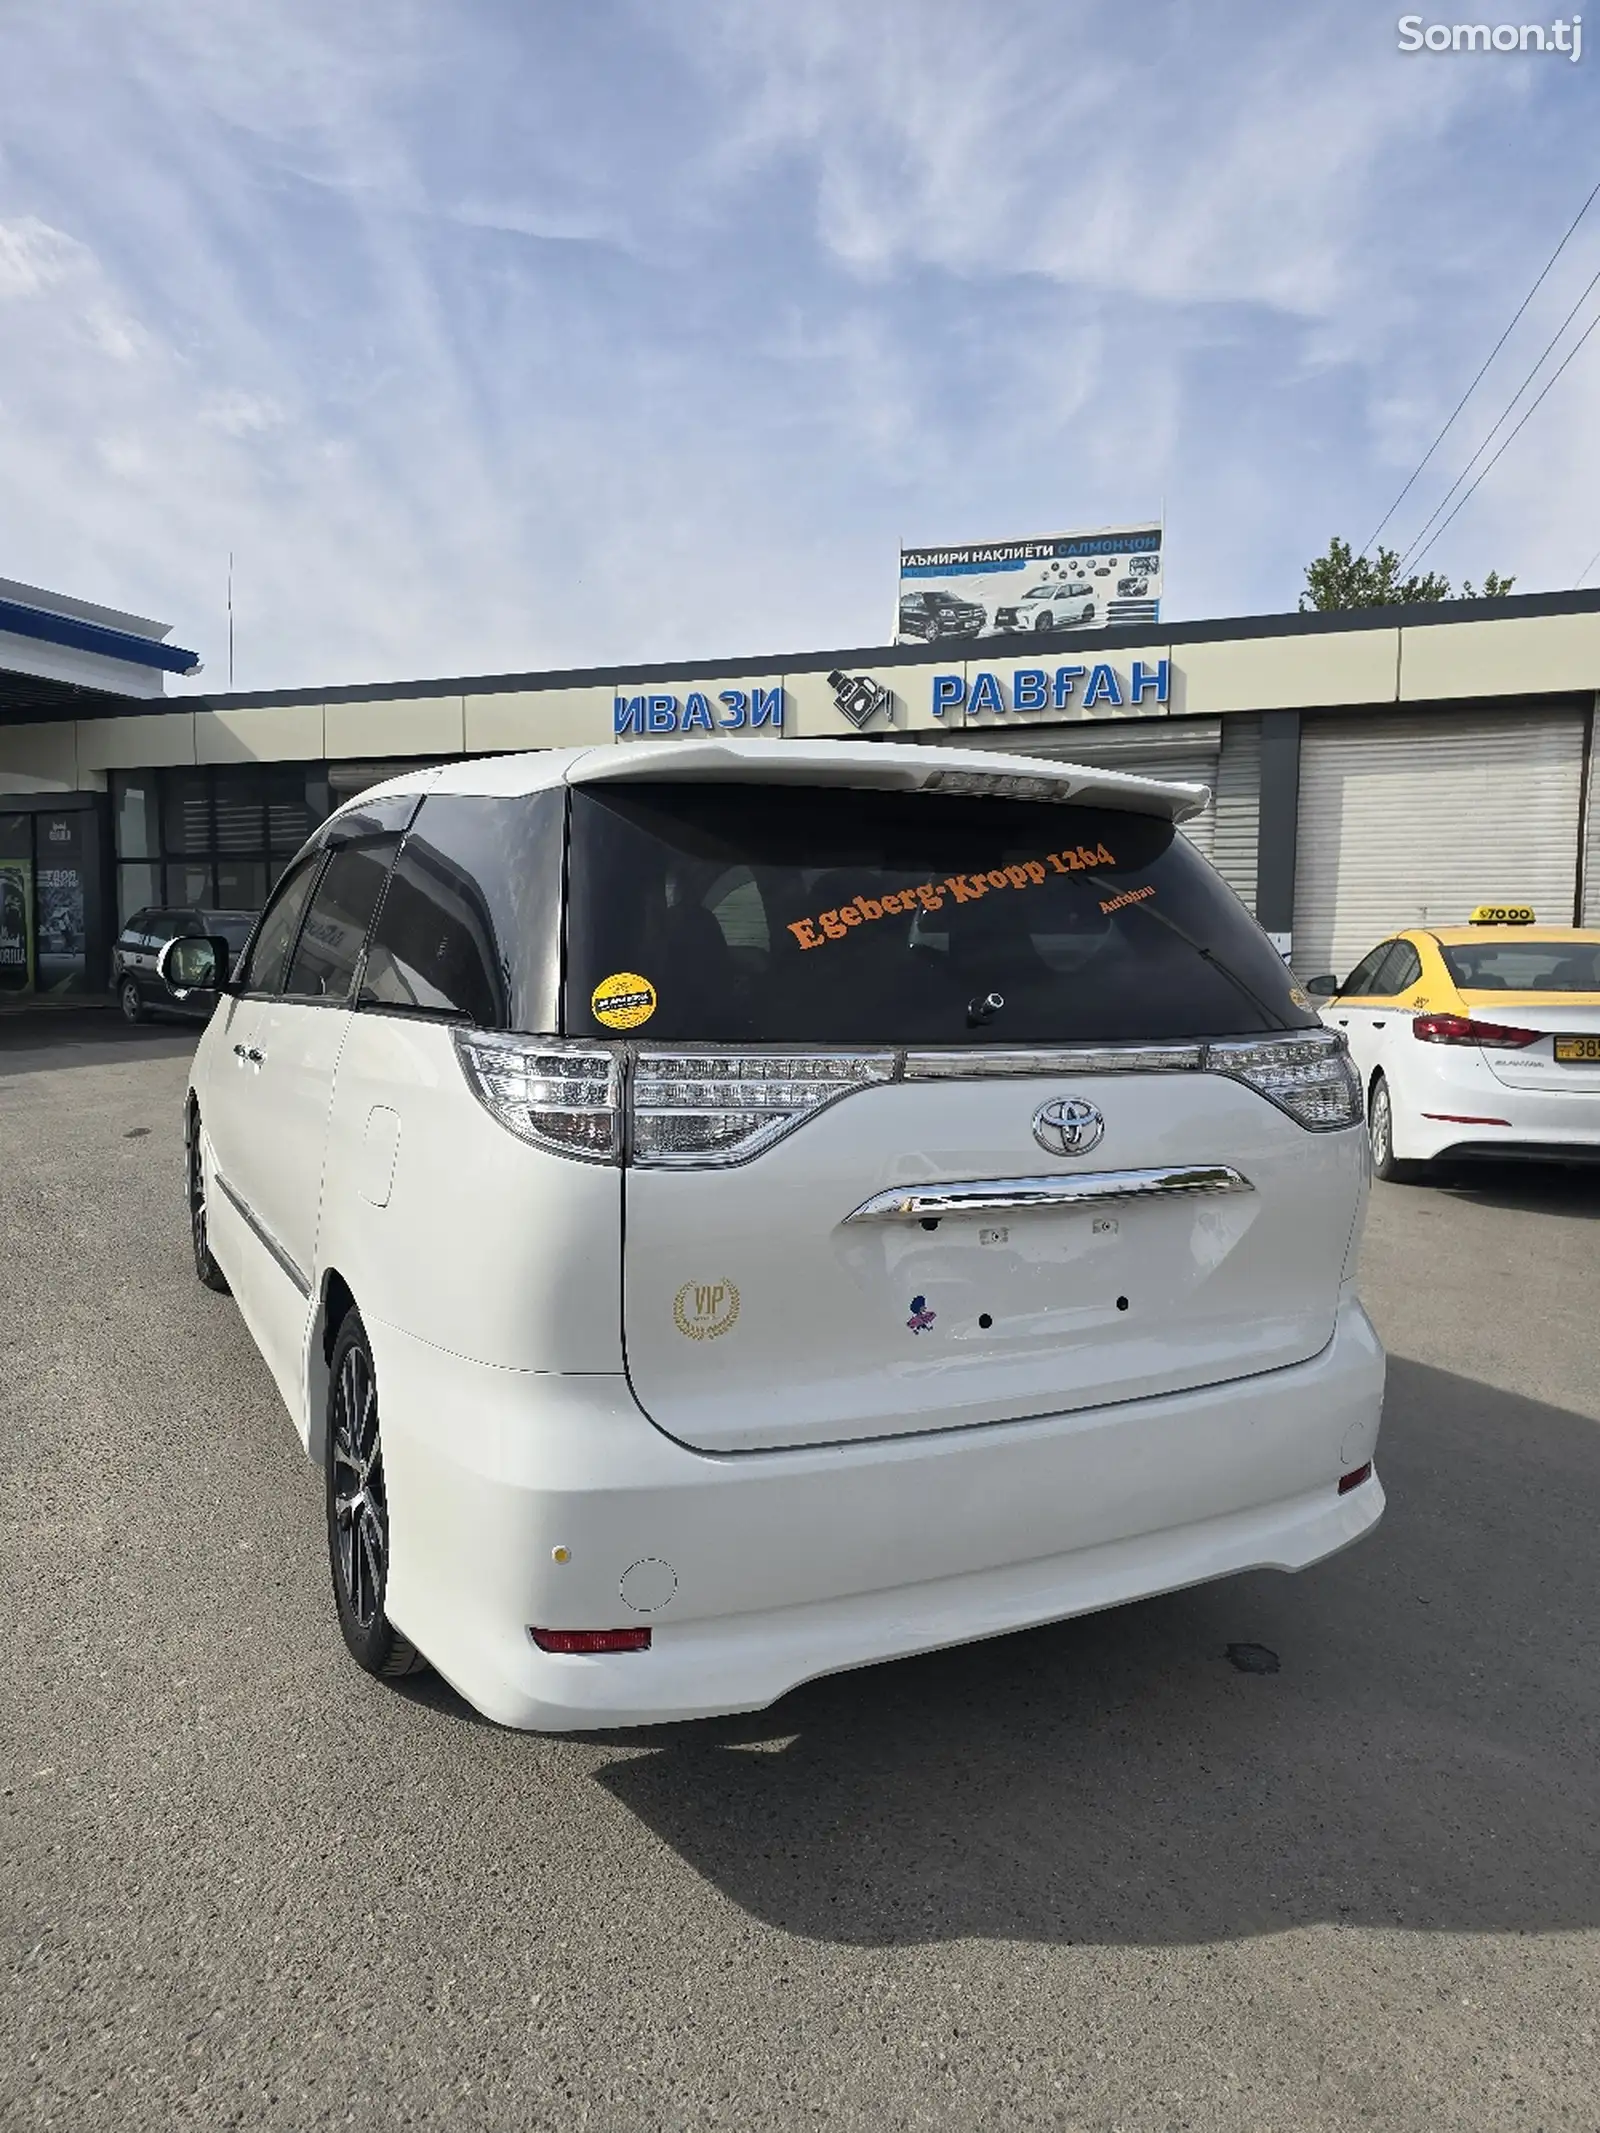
(1354, 1478)
(1458, 1118)
(598, 1640)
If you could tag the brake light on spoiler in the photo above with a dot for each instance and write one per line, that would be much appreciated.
(1463, 1029)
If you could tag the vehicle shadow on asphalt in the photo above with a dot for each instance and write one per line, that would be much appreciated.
(1525, 1188)
(66, 1037)
(1423, 1759)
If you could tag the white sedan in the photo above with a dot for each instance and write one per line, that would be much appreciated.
(1478, 1040)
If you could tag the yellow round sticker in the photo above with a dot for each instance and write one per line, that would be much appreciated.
(623, 1000)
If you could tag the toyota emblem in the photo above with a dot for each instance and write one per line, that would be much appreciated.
(1068, 1125)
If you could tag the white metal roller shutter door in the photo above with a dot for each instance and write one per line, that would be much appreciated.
(1412, 821)
(1188, 750)
(1591, 856)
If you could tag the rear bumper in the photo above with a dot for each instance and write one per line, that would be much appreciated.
(1446, 1113)
(779, 1566)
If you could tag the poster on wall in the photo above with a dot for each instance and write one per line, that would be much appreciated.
(16, 925)
(1103, 577)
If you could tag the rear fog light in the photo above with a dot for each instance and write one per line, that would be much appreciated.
(598, 1640)
(1354, 1478)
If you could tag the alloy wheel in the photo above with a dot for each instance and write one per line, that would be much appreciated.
(197, 1198)
(1380, 1125)
(360, 1505)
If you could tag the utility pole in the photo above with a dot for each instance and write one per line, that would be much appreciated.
(230, 618)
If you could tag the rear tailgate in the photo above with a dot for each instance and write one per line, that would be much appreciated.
(757, 1314)
(833, 993)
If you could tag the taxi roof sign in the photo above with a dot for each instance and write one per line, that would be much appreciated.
(1502, 915)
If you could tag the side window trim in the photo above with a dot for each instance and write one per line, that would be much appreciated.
(313, 864)
(1382, 985)
(329, 853)
(1365, 971)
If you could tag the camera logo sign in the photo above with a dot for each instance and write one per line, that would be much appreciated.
(859, 698)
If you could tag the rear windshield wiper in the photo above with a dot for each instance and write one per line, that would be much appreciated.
(1208, 955)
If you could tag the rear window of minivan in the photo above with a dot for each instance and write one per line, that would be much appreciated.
(825, 915)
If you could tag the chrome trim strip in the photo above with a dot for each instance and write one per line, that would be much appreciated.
(975, 1064)
(264, 1236)
(983, 1196)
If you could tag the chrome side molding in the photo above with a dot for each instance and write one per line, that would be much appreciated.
(983, 1196)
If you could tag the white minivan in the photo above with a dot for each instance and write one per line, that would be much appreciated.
(724, 1212)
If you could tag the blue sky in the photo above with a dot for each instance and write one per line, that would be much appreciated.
(504, 334)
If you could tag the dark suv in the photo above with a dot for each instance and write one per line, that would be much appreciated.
(139, 987)
(939, 614)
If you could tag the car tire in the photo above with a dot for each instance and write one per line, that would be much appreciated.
(206, 1268)
(131, 1001)
(1380, 1135)
(1045, 621)
(358, 1510)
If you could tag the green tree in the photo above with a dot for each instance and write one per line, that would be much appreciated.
(1343, 579)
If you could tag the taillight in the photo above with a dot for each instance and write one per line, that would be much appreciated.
(1306, 1073)
(1461, 1029)
(708, 1109)
(566, 1097)
(688, 1110)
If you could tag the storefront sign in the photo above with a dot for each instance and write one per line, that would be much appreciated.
(1072, 686)
(734, 710)
(1083, 580)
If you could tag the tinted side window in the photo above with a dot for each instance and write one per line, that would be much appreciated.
(1403, 969)
(470, 924)
(1360, 979)
(280, 922)
(340, 913)
(1388, 978)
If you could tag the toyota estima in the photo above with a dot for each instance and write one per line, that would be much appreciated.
(726, 1212)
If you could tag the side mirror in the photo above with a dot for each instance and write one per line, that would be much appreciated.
(1323, 988)
(196, 963)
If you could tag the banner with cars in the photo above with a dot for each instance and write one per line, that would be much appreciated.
(1099, 578)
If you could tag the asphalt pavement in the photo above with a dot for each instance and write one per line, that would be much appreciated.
(1088, 1877)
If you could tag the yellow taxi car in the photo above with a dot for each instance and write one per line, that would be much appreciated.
(1476, 1040)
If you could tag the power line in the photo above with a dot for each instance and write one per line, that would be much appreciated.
(1582, 574)
(1488, 359)
(1566, 359)
(1417, 549)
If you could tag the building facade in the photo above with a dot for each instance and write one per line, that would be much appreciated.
(1367, 771)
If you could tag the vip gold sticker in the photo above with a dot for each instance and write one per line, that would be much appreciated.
(623, 1000)
(704, 1310)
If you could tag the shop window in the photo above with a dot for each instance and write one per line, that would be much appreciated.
(138, 885)
(136, 813)
(188, 881)
(16, 904)
(242, 884)
(213, 835)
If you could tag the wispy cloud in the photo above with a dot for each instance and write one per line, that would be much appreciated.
(507, 335)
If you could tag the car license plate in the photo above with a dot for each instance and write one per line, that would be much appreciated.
(1586, 1049)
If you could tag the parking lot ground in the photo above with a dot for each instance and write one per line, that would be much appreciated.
(1091, 1877)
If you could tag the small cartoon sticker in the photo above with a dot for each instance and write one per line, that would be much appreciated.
(921, 1317)
(704, 1310)
(1299, 996)
(623, 1000)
